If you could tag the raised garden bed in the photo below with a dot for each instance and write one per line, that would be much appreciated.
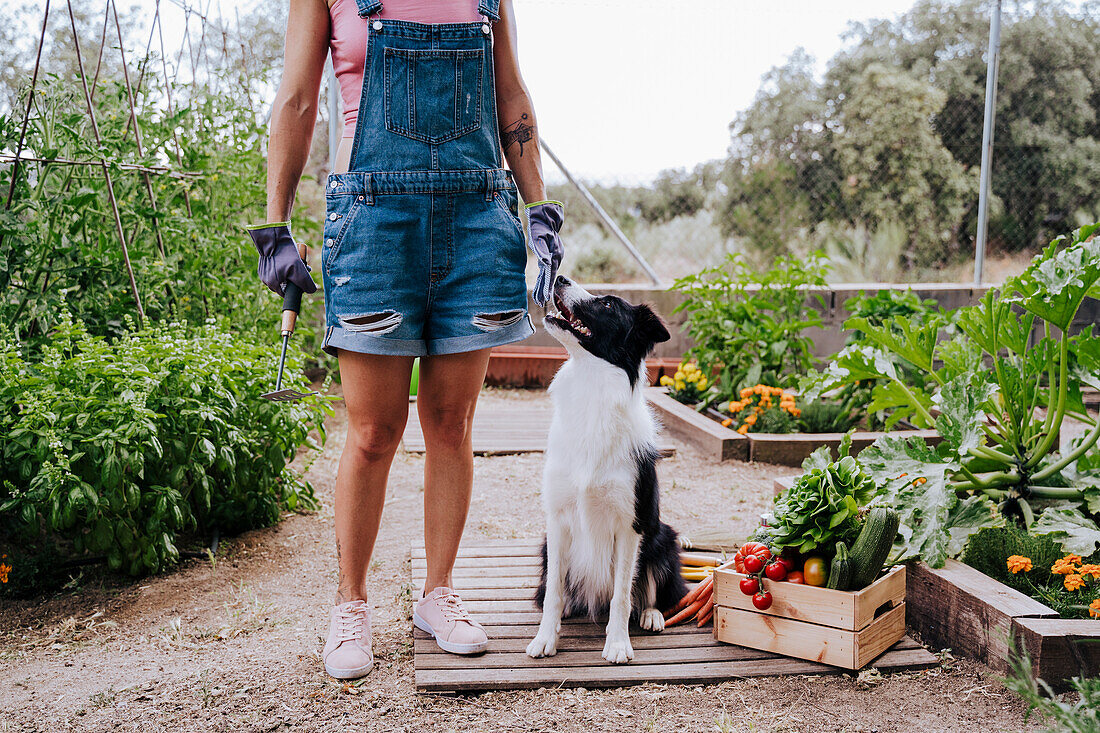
(723, 444)
(535, 366)
(959, 608)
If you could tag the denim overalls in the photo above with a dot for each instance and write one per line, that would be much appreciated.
(423, 247)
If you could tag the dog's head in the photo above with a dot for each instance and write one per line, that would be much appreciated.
(605, 326)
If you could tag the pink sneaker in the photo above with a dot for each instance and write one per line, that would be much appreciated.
(347, 654)
(441, 614)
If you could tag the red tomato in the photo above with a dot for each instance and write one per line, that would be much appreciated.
(752, 548)
(816, 571)
(775, 571)
(739, 563)
(788, 563)
(795, 576)
(762, 601)
(749, 586)
(753, 564)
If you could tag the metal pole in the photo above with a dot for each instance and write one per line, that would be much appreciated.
(333, 91)
(993, 63)
(603, 215)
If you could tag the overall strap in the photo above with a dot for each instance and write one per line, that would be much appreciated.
(489, 8)
(367, 8)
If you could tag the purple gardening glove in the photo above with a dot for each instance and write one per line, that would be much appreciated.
(279, 258)
(544, 220)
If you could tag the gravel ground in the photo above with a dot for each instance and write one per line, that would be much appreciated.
(235, 645)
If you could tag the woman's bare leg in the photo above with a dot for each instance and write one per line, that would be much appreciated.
(376, 392)
(449, 387)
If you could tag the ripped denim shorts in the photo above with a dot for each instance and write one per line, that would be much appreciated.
(423, 262)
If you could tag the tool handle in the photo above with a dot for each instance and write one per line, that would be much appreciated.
(292, 300)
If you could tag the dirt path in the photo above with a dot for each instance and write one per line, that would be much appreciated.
(235, 646)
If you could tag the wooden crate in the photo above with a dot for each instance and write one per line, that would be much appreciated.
(841, 628)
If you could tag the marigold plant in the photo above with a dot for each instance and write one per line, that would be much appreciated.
(762, 409)
(1016, 563)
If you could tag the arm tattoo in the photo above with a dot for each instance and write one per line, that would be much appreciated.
(518, 132)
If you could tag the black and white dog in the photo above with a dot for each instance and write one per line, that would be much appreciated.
(606, 551)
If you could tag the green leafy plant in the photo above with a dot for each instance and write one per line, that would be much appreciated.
(1076, 713)
(822, 506)
(997, 400)
(824, 416)
(749, 325)
(117, 449)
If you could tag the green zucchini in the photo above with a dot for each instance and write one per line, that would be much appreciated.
(872, 546)
(840, 572)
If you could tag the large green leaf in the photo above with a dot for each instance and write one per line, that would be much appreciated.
(904, 336)
(925, 507)
(1057, 281)
(961, 415)
(971, 515)
(1071, 529)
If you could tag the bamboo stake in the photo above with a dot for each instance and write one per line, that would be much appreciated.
(106, 168)
(102, 44)
(168, 94)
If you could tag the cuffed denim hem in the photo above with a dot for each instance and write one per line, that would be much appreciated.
(365, 343)
(517, 331)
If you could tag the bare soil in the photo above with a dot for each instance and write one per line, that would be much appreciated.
(235, 645)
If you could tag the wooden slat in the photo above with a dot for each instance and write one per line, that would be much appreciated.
(685, 423)
(593, 658)
(532, 549)
(516, 678)
(511, 581)
(569, 628)
(585, 643)
(500, 563)
(482, 571)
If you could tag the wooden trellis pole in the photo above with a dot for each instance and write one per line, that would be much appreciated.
(168, 94)
(106, 168)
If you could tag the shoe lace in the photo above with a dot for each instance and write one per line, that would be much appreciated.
(450, 605)
(351, 621)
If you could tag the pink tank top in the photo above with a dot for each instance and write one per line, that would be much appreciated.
(349, 39)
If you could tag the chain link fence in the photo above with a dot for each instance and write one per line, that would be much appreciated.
(877, 161)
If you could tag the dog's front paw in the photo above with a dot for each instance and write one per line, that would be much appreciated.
(544, 644)
(618, 651)
(652, 620)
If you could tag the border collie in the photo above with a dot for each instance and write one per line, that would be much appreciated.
(607, 553)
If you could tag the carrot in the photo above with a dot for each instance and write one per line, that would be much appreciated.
(685, 614)
(690, 596)
(706, 617)
(706, 610)
(695, 559)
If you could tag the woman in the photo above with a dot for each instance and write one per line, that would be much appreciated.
(423, 255)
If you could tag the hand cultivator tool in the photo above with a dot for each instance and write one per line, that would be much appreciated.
(292, 303)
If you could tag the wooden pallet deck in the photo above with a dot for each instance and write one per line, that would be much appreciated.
(503, 429)
(497, 581)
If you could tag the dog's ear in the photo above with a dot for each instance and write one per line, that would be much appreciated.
(649, 325)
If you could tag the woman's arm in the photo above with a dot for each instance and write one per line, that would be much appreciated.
(295, 108)
(515, 114)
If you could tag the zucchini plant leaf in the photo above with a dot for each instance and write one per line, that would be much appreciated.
(1055, 283)
(1071, 529)
(901, 402)
(1086, 358)
(961, 403)
(914, 342)
(898, 464)
(970, 516)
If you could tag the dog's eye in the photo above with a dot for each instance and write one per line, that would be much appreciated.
(607, 304)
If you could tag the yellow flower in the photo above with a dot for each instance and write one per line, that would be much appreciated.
(4, 570)
(702, 383)
(689, 368)
(1016, 563)
(666, 380)
(692, 376)
(679, 384)
(679, 375)
(1073, 581)
(1094, 608)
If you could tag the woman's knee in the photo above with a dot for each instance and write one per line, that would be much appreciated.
(375, 440)
(446, 426)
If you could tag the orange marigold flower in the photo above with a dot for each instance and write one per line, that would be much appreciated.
(1016, 563)
(796, 412)
(1065, 565)
(727, 422)
(1090, 569)
(746, 393)
(4, 570)
(1073, 581)
(1094, 608)
(743, 429)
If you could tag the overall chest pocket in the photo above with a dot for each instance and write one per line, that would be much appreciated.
(433, 95)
